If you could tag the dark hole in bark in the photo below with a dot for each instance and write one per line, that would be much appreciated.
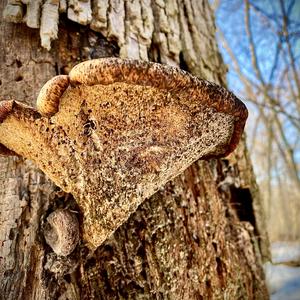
(108, 251)
(219, 266)
(94, 44)
(67, 278)
(182, 63)
(220, 270)
(19, 78)
(241, 201)
(102, 48)
(215, 246)
(11, 234)
(90, 263)
(141, 252)
(18, 63)
(154, 53)
(208, 284)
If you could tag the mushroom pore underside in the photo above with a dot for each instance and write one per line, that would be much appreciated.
(112, 145)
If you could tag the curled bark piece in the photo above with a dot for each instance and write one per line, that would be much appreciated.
(80, 11)
(49, 23)
(62, 6)
(62, 231)
(33, 13)
(123, 129)
(50, 94)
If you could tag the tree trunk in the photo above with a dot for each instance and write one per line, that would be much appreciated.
(202, 236)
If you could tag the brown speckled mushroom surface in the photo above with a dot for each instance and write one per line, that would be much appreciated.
(114, 131)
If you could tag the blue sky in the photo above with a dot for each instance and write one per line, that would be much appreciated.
(266, 24)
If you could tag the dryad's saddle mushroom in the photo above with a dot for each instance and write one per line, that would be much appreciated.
(114, 131)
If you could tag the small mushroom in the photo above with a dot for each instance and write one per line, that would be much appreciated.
(114, 131)
(62, 231)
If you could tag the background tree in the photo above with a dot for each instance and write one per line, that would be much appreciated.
(200, 236)
(264, 70)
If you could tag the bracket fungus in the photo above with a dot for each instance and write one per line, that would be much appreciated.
(114, 131)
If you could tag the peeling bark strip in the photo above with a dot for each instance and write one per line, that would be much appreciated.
(135, 26)
(119, 132)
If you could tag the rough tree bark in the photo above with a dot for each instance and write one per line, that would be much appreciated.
(201, 236)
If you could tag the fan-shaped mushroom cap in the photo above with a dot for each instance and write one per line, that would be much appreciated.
(122, 130)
